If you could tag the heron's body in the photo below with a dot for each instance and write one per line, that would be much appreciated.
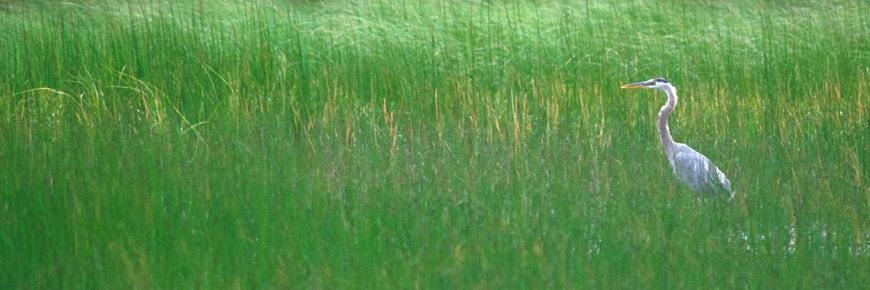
(697, 171)
(693, 169)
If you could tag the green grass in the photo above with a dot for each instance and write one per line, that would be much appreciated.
(430, 144)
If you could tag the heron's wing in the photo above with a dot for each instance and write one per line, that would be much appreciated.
(696, 171)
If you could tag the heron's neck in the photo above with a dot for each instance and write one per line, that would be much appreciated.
(664, 132)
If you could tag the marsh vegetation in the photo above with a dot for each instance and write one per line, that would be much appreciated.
(430, 144)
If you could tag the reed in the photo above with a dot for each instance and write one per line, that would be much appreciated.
(430, 144)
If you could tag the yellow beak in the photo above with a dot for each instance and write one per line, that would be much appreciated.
(645, 84)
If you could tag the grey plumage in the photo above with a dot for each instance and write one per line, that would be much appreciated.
(697, 172)
(693, 169)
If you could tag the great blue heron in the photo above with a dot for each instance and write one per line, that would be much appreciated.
(693, 169)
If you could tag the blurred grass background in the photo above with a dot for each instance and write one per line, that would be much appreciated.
(430, 144)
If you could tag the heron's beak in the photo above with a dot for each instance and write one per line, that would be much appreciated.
(645, 84)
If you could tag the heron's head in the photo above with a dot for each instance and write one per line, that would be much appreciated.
(656, 83)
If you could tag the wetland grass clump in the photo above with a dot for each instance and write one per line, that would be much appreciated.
(445, 144)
